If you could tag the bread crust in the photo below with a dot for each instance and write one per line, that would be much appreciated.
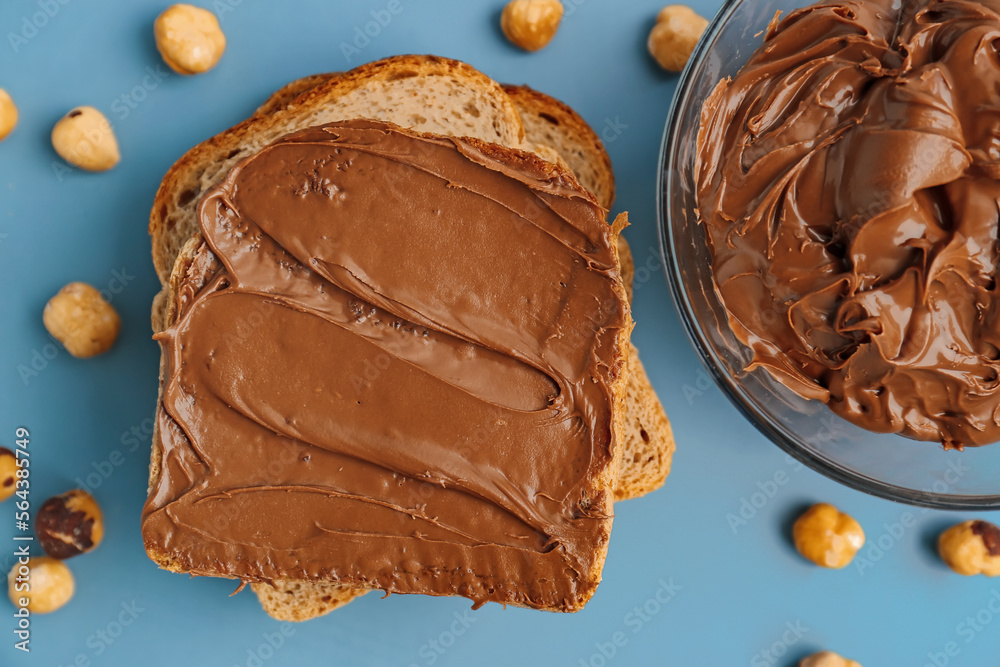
(551, 122)
(285, 95)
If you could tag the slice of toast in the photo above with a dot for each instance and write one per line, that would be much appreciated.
(647, 442)
(593, 484)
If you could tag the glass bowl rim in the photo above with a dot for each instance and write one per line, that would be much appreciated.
(726, 382)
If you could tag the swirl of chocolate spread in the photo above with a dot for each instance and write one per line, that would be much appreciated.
(848, 179)
(393, 366)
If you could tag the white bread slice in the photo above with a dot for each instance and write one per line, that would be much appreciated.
(299, 600)
(647, 442)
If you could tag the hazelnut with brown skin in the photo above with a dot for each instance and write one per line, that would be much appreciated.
(971, 548)
(8, 473)
(69, 524)
(50, 585)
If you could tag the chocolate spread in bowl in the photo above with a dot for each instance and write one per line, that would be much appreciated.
(847, 178)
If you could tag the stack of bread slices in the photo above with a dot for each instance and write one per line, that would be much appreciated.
(425, 94)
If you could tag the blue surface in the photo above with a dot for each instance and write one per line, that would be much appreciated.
(736, 594)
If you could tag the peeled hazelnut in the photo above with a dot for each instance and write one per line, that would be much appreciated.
(8, 473)
(84, 138)
(49, 582)
(80, 318)
(531, 24)
(70, 524)
(827, 536)
(827, 659)
(678, 28)
(8, 114)
(972, 547)
(189, 39)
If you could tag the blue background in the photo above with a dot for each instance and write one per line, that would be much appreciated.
(738, 588)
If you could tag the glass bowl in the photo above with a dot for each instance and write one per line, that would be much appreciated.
(888, 466)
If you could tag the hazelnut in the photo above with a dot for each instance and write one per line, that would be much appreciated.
(46, 586)
(827, 536)
(827, 659)
(8, 473)
(531, 24)
(972, 547)
(678, 28)
(70, 524)
(8, 114)
(84, 138)
(80, 319)
(189, 39)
